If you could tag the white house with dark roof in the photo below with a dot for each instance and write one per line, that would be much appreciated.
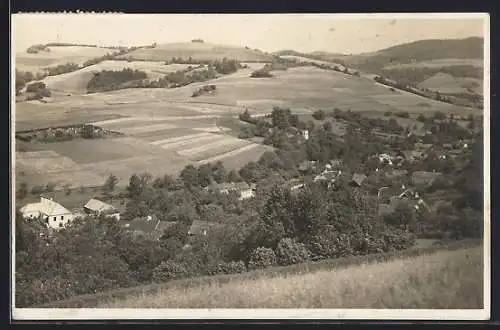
(98, 207)
(54, 214)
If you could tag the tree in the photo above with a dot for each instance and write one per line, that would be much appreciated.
(319, 115)
(234, 176)
(110, 184)
(22, 191)
(190, 176)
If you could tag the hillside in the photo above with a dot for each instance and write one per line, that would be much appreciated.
(197, 51)
(417, 51)
(57, 55)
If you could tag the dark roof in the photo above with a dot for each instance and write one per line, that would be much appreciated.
(358, 178)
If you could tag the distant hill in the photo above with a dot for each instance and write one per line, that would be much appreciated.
(418, 51)
(197, 51)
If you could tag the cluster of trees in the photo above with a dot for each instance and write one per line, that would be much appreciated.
(224, 66)
(24, 77)
(37, 90)
(203, 90)
(107, 80)
(62, 68)
(185, 77)
(37, 48)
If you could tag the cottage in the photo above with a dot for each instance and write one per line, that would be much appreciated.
(54, 214)
(424, 178)
(242, 189)
(295, 184)
(97, 207)
(358, 179)
(199, 228)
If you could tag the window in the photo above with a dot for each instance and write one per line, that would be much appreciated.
(62, 217)
(55, 218)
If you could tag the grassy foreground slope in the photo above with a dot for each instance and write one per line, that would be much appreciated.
(444, 280)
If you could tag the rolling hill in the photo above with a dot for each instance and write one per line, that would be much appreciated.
(197, 51)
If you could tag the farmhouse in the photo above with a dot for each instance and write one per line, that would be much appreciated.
(54, 214)
(358, 179)
(199, 228)
(148, 226)
(97, 207)
(242, 189)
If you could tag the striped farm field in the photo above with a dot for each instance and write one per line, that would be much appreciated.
(189, 141)
(237, 158)
(214, 148)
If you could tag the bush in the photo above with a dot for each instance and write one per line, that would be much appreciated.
(330, 244)
(169, 270)
(289, 252)
(421, 118)
(107, 80)
(403, 114)
(262, 257)
(388, 114)
(397, 239)
(262, 73)
(319, 115)
(232, 267)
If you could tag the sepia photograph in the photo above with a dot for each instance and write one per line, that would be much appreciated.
(250, 166)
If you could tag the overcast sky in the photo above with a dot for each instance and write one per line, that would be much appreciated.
(305, 33)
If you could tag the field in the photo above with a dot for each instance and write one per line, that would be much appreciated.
(167, 129)
(447, 84)
(444, 280)
(155, 145)
(76, 81)
(439, 63)
(56, 56)
(197, 51)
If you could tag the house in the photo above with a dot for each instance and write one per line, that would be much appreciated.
(54, 214)
(358, 179)
(97, 207)
(305, 134)
(424, 178)
(385, 159)
(305, 166)
(199, 227)
(148, 226)
(242, 189)
(295, 184)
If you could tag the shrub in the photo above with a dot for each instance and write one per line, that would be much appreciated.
(262, 73)
(232, 267)
(403, 114)
(388, 114)
(169, 270)
(289, 252)
(262, 257)
(397, 239)
(330, 244)
(319, 115)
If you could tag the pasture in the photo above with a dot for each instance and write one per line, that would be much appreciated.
(439, 280)
(197, 51)
(448, 84)
(56, 56)
(76, 82)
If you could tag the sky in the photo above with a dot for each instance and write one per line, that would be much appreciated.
(352, 34)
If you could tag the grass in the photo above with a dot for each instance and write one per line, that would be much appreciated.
(442, 280)
(445, 271)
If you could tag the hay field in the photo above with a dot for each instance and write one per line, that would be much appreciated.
(43, 167)
(439, 63)
(197, 51)
(76, 82)
(448, 84)
(441, 280)
(56, 56)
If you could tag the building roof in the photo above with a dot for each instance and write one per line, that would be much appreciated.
(358, 178)
(198, 226)
(424, 177)
(238, 186)
(99, 206)
(45, 206)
